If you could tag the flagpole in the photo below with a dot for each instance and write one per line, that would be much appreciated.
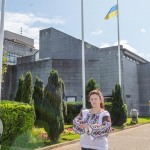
(119, 59)
(1, 41)
(83, 57)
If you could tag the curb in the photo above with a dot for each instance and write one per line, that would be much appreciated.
(130, 127)
(58, 145)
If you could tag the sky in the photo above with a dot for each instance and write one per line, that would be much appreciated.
(65, 15)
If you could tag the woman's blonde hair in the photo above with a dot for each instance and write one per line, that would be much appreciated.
(99, 93)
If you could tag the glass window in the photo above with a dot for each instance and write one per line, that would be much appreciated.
(71, 98)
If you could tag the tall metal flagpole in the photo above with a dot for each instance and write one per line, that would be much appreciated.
(119, 59)
(83, 57)
(1, 41)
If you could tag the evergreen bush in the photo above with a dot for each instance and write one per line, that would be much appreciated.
(19, 89)
(91, 85)
(119, 108)
(52, 112)
(26, 94)
(38, 96)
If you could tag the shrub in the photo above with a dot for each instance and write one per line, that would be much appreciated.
(91, 85)
(119, 108)
(18, 118)
(107, 106)
(73, 109)
(52, 111)
(19, 89)
(26, 94)
(38, 95)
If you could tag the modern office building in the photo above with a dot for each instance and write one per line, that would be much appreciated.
(63, 52)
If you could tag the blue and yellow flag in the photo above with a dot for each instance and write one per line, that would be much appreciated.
(112, 12)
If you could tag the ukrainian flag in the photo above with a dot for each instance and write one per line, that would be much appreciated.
(112, 12)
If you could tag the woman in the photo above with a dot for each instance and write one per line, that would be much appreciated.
(93, 124)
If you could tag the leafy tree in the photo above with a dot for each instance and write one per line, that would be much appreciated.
(119, 108)
(53, 107)
(38, 96)
(19, 89)
(4, 63)
(91, 85)
(26, 93)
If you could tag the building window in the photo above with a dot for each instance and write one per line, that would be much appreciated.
(30, 49)
(12, 58)
(128, 96)
(71, 98)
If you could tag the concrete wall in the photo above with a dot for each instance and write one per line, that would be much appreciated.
(9, 82)
(130, 83)
(13, 36)
(17, 48)
(71, 73)
(57, 45)
(144, 89)
(109, 75)
(39, 69)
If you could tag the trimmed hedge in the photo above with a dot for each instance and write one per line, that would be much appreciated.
(74, 108)
(18, 119)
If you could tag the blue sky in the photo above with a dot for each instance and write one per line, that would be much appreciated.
(65, 15)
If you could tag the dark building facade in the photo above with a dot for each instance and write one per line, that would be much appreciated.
(63, 52)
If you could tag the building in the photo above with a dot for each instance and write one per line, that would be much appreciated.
(63, 52)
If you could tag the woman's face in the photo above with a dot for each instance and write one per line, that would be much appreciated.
(95, 100)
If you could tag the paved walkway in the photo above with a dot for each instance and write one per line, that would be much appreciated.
(137, 138)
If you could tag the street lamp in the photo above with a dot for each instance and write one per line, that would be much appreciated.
(83, 57)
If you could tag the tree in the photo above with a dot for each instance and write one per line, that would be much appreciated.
(4, 63)
(38, 96)
(26, 94)
(19, 89)
(119, 108)
(53, 107)
(91, 85)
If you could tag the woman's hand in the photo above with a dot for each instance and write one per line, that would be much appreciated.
(85, 126)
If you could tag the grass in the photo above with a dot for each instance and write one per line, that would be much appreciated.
(141, 120)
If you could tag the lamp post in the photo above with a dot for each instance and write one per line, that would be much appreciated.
(1, 40)
(83, 57)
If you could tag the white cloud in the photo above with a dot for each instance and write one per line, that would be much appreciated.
(103, 45)
(135, 51)
(98, 32)
(143, 30)
(29, 24)
(127, 46)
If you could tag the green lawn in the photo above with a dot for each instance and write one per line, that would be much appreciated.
(141, 120)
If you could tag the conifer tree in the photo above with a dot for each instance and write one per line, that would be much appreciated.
(27, 88)
(91, 85)
(53, 108)
(19, 89)
(119, 108)
(38, 95)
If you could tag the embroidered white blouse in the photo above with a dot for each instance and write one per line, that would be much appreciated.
(95, 136)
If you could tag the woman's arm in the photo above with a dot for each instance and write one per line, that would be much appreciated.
(77, 124)
(97, 131)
